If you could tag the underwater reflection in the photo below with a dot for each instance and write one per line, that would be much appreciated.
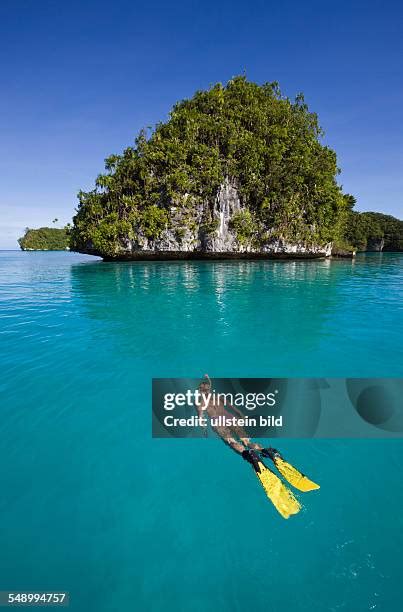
(223, 307)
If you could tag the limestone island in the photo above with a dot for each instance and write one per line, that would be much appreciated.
(237, 171)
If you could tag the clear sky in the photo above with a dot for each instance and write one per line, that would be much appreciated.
(79, 79)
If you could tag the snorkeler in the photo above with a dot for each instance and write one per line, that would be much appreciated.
(233, 435)
(237, 438)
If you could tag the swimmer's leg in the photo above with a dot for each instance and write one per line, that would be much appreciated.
(236, 445)
(227, 436)
(247, 442)
(253, 445)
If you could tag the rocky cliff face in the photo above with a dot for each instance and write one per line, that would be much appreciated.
(209, 234)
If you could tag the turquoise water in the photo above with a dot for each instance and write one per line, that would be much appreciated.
(90, 503)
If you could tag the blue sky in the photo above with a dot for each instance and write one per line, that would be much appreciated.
(79, 79)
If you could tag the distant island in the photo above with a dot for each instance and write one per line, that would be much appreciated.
(45, 239)
(373, 231)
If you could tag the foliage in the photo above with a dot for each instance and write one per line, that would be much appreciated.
(44, 239)
(244, 226)
(366, 227)
(209, 226)
(265, 143)
(153, 221)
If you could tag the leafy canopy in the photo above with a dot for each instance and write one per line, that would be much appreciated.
(266, 144)
(366, 227)
(45, 239)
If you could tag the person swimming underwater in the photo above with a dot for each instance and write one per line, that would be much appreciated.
(237, 438)
(232, 434)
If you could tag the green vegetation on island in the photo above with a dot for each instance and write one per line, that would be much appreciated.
(244, 134)
(45, 239)
(374, 231)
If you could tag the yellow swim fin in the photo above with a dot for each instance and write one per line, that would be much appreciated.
(290, 473)
(282, 498)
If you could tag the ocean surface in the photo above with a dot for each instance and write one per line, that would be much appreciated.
(91, 504)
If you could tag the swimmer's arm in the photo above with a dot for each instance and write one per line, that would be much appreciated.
(207, 377)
